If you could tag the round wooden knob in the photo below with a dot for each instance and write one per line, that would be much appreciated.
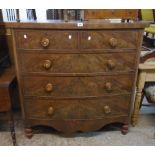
(107, 109)
(47, 64)
(50, 110)
(45, 42)
(49, 87)
(113, 42)
(108, 86)
(111, 64)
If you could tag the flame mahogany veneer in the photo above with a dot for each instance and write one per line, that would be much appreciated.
(76, 78)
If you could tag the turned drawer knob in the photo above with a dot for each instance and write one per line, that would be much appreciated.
(45, 42)
(107, 109)
(113, 42)
(49, 87)
(50, 111)
(111, 64)
(47, 64)
(108, 86)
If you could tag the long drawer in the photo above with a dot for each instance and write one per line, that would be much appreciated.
(73, 87)
(111, 39)
(77, 109)
(40, 62)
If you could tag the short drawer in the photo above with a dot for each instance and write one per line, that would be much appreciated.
(38, 39)
(75, 87)
(77, 63)
(108, 39)
(77, 109)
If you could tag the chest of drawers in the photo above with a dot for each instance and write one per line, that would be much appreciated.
(76, 78)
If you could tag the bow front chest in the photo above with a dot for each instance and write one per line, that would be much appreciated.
(76, 77)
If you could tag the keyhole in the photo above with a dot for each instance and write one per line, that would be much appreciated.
(25, 36)
(70, 36)
(89, 37)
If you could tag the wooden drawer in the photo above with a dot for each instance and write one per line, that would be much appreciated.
(38, 39)
(108, 39)
(77, 109)
(75, 87)
(69, 39)
(76, 63)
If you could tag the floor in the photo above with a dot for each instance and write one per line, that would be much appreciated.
(142, 134)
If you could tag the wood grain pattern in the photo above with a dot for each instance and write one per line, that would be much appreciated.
(102, 39)
(69, 39)
(76, 63)
(72, 87)
(76, 78)
(57, 39)
(71, 126)
(83, 109)
(110, 13)
(73, 25)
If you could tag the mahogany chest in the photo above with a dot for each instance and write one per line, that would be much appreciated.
(76, 76)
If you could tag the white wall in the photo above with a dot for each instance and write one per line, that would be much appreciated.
(41, 14)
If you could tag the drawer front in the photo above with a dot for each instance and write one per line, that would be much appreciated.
(77, 109)
(38, 39)
(72, 87)
(76, 63)
(108, 39)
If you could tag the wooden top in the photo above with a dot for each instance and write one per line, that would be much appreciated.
(60, 24)
(7, 76)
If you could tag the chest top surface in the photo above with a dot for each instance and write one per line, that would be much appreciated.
(59, 24)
